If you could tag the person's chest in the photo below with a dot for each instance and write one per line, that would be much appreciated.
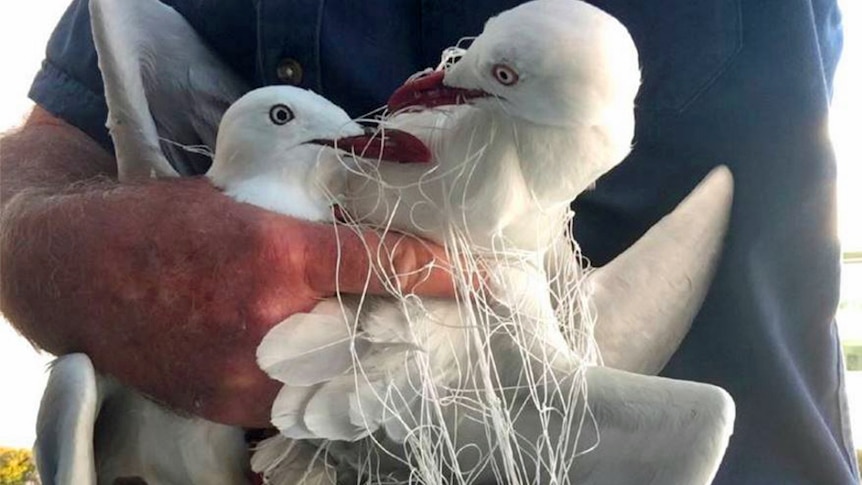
(357, 53)
(354, 53)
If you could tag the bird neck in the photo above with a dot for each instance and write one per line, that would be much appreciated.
(558, 163)
(550, 164)
(287, 197)
(298, 184)
(522, 176)
(488, 191)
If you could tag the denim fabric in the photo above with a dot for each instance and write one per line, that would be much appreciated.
(745, 83)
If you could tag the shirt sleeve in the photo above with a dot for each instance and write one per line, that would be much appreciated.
(69, 83)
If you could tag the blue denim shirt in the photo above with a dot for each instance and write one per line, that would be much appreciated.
(740, 82)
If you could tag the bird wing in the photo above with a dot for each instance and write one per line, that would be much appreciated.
(65, 423)
(625, 429)
(646, 298)
(376, 385)
(285, 461)
(652, 430)
(621, 428)
(164, 92)
(92, 430)
(310, 348)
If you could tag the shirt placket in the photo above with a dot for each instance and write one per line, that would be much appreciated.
(288, 49)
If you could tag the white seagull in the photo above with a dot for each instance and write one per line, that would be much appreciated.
(537, 109)
(274, 149)
(543, 105)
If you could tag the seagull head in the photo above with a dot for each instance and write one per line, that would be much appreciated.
(264, 127)
(563, 74)
(278, 138)
(550, 62)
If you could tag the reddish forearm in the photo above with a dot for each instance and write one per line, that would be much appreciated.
(168, 285)
(32, 172)
(164, 284)
(47, 153)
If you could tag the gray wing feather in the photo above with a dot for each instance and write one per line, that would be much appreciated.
(92, 430)
(637, 430)
(163, 91)
(65, 423)
(653, 430)
(646, 298)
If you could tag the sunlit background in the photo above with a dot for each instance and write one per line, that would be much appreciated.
(24, 29)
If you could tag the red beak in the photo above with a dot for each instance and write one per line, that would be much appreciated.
(429, 91)
(389, 145)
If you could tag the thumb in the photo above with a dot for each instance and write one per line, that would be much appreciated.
(350, 261)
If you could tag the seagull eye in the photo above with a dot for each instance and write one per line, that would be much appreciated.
(280, 114)
(504, 74)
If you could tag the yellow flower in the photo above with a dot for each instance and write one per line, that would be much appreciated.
(17, 467)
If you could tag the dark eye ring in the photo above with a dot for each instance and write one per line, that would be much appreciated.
(504, 74)
(280, 114)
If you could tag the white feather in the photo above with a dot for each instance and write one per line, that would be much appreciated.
(327, 414)
(289, 411)
(308, 349)
(670, 269)
(295, 462)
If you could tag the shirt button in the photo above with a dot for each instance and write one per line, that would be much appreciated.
(289, 71)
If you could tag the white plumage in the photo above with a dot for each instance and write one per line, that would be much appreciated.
(534, 112)
(513, 155)
(269, 151)
(517, 148)
(489, 399)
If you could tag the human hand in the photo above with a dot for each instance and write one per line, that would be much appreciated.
(169, 286)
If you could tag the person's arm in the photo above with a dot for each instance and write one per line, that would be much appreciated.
(167, 285)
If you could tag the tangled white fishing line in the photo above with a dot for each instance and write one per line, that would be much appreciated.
(430, 452)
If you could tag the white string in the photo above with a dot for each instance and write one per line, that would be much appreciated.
(424, 393)
(431, 453)
(198, 149)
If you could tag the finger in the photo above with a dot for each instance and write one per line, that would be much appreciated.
(347, 261)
